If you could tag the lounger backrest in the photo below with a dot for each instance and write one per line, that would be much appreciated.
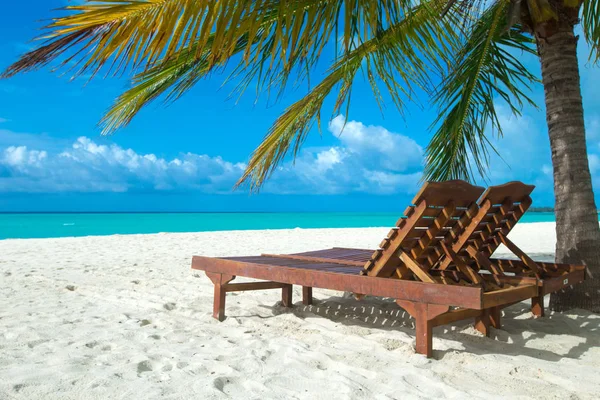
(438, 214)
(500, 208)
(505, 205)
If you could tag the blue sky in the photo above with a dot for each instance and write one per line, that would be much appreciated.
(188, 156)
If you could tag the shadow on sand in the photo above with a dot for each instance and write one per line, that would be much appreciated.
(519, 328)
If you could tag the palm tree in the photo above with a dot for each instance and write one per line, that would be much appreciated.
(465, 54)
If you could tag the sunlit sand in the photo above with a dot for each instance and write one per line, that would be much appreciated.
(125, 317)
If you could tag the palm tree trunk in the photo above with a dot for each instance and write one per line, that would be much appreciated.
(577, 231)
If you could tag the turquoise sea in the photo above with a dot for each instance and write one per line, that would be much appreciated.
(42, 225)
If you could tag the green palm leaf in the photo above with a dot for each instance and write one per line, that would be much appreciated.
(138, 33)
(175, 76)
(398, 56)
(486, 68)
(590, 23)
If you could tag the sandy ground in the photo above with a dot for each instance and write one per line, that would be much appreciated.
(125, 317)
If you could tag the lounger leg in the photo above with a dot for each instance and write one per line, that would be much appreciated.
(423, 314)
(424, 333)
(537, 306)
(482, 323)
(286, 296)
(219, 300)
(495, 317)
(219, 303)
(307, 298)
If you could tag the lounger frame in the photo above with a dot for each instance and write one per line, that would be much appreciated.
(430, 305)
(499, 210)
(435, 263)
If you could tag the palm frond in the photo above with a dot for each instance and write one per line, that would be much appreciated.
(138, 33)
(185, 68)
(174, 76)
(590, 23)
(485, 69)
(180, 72)
(399, 57)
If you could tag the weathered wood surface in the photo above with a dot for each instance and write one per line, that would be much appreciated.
(509, 295)
(515, 190)
(447, 227)
(537, 305)
(242, 287)
(438, 216)
(307, 295)
(424, 314)
(500, 208)
(428, 303)
(305, 274)
(482, 322)
(316, 259)
(219, 280)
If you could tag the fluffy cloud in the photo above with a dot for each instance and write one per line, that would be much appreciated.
(365, 159)
(90, 167)
(394, 152)
(368, 159)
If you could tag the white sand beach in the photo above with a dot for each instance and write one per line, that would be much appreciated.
(126, 317)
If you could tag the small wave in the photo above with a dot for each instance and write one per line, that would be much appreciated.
(69, 224)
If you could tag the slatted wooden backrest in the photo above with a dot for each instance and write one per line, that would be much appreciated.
(438, 214)
(500, 208)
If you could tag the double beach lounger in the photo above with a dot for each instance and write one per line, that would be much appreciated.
(436, 263)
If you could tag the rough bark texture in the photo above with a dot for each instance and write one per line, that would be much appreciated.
(578, 234)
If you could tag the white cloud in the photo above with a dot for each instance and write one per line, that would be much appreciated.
(21, 158)
(368, 159)
(394, 152)
(90, 167)
(365, 159)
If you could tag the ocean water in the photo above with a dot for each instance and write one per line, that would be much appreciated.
(50, 225)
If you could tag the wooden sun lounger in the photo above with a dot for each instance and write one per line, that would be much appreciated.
(500, 208)
(402, 268)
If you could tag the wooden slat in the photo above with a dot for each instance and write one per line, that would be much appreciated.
(511, 266)
(490, 227)
(445, 203)
(429, 242)
(444, 216)
(242, 287)
(455, 315)
(440, 193)
(432, 212)
(467, 232)
(516, 190)
(484, 263)
(520, 253)
(462, 267)
(546, 266)
(553, 284)
(415, 268)
(505, 227)
(385, 263)
(508, 295)
(316, 259)
(459, 296)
